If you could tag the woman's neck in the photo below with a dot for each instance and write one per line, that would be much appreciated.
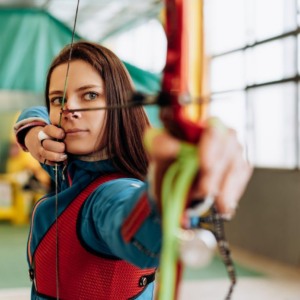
(94, 156)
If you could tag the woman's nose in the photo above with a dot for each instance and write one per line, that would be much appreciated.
(71, 105)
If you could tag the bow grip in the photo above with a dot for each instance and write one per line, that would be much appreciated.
(179, 125)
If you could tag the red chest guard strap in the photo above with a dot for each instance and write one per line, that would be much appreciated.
(82, 274)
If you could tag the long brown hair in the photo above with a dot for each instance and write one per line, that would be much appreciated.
(124, 127)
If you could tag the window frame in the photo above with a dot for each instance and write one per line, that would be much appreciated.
(296, 79)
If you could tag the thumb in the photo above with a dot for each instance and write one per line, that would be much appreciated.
(160, 145)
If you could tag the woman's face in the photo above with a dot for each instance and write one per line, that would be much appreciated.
(85, 89)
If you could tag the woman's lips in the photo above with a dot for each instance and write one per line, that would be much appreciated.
(76, 132)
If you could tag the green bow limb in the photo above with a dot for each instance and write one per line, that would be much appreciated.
(177, 183)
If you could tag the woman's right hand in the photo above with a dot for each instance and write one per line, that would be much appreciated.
(49, 151)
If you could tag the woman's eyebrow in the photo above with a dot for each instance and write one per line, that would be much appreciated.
(55, 92)
(85, 87)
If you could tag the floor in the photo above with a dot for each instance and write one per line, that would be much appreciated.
(277, 282)
(258, 278)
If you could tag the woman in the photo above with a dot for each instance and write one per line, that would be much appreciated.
(109, 232)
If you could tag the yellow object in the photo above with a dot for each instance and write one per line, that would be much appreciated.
(162, 16)
(15, 212)
(18, 160)
(19, 203)
(24, 161)
(15, 202)
(150, 134)
(215, 122)
(197, 63)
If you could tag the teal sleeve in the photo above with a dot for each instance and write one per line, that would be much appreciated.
(104, 215)
(37, 112)
(29, 118)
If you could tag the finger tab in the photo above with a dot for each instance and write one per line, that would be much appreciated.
(43, 136)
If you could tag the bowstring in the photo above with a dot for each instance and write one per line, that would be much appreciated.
(56, 165)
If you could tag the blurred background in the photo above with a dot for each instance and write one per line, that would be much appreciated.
(250, 68)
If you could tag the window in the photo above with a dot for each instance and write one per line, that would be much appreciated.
(143, 46)
(231, 108)
(226, 25)
(273, 117)
(254, 75)
(228, 72)
(271, 61)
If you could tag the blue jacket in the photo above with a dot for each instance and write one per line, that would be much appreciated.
(104, 211)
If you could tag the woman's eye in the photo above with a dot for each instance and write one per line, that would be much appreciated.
(57, 101)
(90, 96)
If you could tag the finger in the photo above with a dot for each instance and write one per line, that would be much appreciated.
(227, 153)
(54, 132)
(216, 152)
(52, 156)
(209, 148)
(209, 144)
(48, 162)
(233, 185)
(43, 136)
(54, 146)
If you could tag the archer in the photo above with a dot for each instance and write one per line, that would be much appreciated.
(109, 234)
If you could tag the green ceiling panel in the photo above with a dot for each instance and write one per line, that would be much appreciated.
(30, 39)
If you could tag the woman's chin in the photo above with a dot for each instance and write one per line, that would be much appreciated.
(79, 150)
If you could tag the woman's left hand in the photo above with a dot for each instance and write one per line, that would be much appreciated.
(222, 172)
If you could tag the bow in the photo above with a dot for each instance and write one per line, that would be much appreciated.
(176, 89)
(179, 178)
